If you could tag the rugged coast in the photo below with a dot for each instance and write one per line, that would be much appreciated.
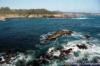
(3, 17)
(6, 12)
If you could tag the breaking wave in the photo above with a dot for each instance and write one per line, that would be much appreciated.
(67, 49)
(91, 54)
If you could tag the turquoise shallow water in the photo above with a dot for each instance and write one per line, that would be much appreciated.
(25, 34)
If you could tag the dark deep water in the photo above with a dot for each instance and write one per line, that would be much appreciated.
(24, 34)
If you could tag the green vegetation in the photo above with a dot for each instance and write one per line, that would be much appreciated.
(6, 10)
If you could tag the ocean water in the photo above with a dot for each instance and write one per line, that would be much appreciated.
(27, 35)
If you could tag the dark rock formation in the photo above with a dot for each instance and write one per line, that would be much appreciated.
(57, 34)
(65, 52)
(83, 46)
(6, 57)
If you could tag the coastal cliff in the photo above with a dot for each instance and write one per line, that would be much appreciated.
(3, 17)
(6, 12)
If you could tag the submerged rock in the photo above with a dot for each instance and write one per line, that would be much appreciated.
(87, 36)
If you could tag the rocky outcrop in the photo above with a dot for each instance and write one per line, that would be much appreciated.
(83, 46)
(57, 34)
(65, 52)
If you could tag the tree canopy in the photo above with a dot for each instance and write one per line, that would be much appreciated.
(7, 10)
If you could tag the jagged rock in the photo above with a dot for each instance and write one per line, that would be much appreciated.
(83, 46)
(57, 34)
(65, 52)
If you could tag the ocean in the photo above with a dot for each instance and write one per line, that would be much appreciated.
(26, 35)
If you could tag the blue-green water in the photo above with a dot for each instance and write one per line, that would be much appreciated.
(25, 33)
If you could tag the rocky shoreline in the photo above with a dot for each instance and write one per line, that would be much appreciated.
(58, 15)
(3, 17)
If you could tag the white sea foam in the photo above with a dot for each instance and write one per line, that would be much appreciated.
(56, 53)
(22, 57)
(92, 51)
(78, 55)
(50, 49)
(82, 18)
(74, 34)
(77, 34)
